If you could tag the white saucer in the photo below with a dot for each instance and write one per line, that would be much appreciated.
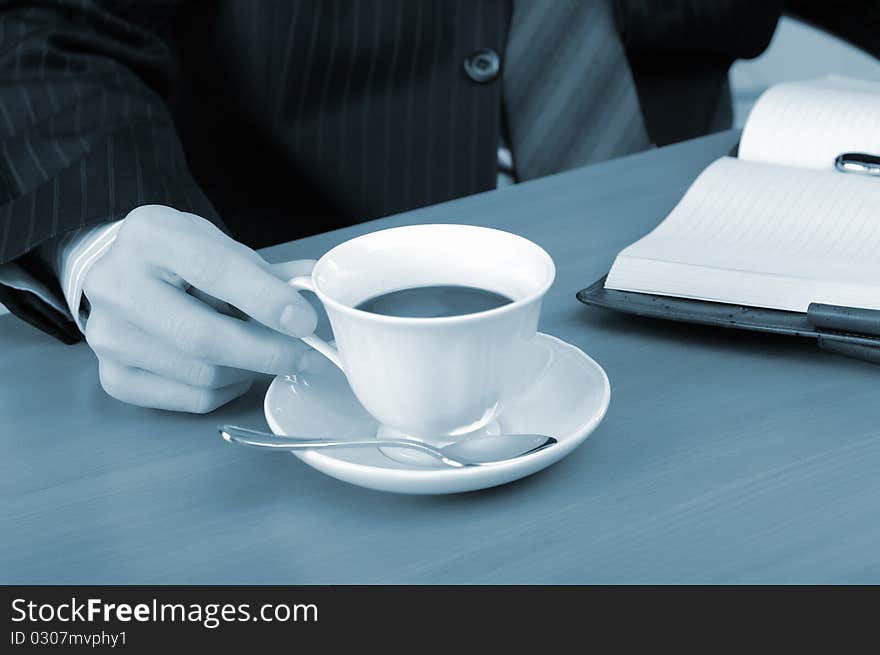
(567, 400)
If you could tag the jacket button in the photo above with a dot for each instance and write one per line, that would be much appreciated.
(483, 65)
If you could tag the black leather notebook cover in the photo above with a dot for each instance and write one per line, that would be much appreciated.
(725, 315)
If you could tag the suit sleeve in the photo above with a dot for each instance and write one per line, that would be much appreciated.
(680, 52)
(86, 133)
(724, 29)
(855, 21)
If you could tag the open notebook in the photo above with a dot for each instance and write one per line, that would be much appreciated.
(777, 227)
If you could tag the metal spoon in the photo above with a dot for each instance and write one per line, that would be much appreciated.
(474, 451)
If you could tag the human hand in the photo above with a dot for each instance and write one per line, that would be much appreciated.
(160, 324)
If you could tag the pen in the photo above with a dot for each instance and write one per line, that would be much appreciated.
(844, 319)
(858, 162)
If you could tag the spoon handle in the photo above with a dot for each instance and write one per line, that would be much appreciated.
(266, 441)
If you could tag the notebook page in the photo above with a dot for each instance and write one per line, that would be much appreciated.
(759, 220)
(809, 123)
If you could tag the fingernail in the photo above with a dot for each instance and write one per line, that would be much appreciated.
(298, 320)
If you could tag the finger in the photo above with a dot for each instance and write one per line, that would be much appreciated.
(145, 389)
(130, 346)
(194, 329)
(209, 260)
(284, 271)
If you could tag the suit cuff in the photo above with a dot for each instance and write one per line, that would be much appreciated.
(14, 276)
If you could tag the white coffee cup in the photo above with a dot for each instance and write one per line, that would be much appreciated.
(431, 378)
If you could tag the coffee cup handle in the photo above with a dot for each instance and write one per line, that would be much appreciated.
(304, 283)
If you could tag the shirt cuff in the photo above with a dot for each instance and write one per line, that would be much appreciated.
(75, 255)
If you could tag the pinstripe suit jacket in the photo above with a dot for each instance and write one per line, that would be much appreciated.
(291, 117)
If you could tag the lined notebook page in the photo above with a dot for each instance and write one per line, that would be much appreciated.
(764, 235)
(807, 124)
